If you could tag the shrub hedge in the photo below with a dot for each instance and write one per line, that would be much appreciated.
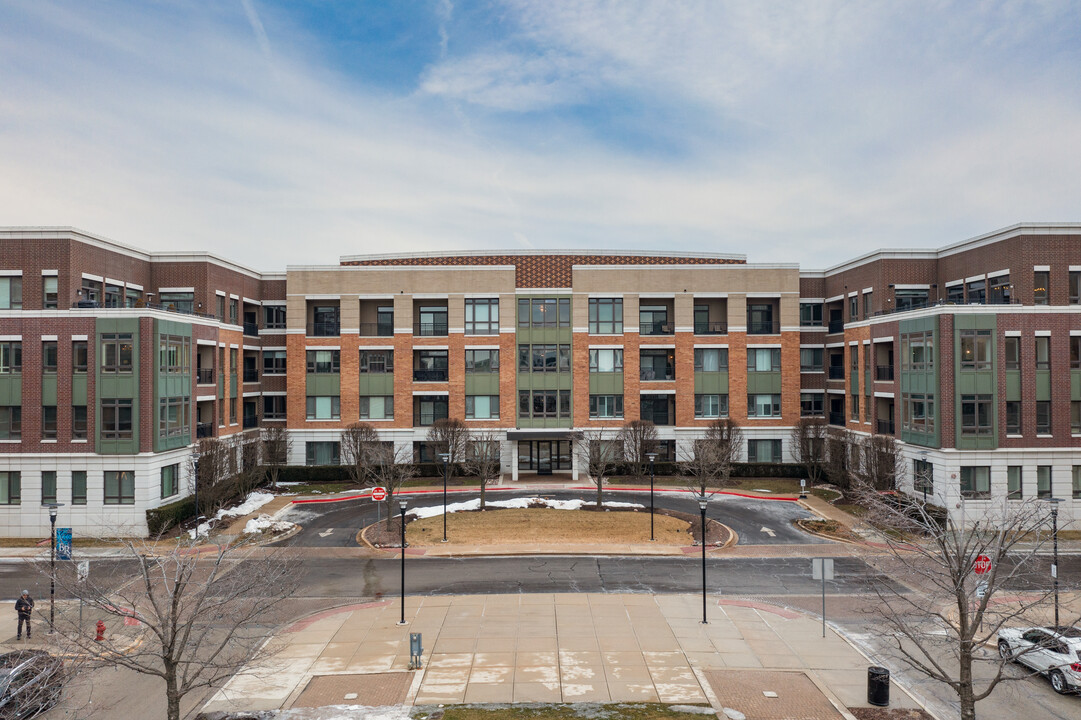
(160, 519)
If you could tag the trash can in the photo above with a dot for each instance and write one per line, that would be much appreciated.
(878, 686)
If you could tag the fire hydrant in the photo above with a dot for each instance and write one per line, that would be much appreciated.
(101, 631)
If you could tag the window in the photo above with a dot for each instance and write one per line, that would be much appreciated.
(274, 317)
(117, 353)
(11, 293)
(430, 365)
(606, 360)
(910, 299)
(180, 301)
(48, 422)
(810, 359)
(1012, 353)
(174, 419)
(79, 356)
(1075, 417)
(710, 406)
(11, 422)
(955, 293)
(657, 364)
(221, 308)
(760, 319)
(544, 358)
(977, 292)
(433, 321)
(429, 408)
(78, 487)
(763, 359)
(918, 351)
(976, 417)
(1041, 281)
(114, 296)
(170, 480)
(976, 481)
(853, 307)
(481, 316)
(1075, 287)
(376, 361)
(324, 407)
(1043, 481)
(605, 407)
(49, 299)
(1043, 353)
(376, 407)
(659, 409)
(764, 451)
(653, 320)
(11, 357)
(48, 356)
(810, 314)
(116, 419)
(1075, 352)
(999, 290)
(1013, 417)
(1043, 417)
(763, 405)
(481, 361)
(923, 475)
(605, 316)
(174, 354)
(1014, 486)
(119, 487)
(867, 302)
(273, 407)
(232, 411)
(1077, 481)
(975, 349)
(48, 486)
(544, 403)
(854, 408)
(918, 412)
(810, 405)
(710, 359)
(544, 312)
(274, 362)
(324, 362)
(234, 308)
(10, 487)
(481, 407)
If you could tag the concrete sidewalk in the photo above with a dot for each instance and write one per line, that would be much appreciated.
(560, 648)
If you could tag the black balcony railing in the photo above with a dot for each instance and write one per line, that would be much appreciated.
(884, 373)
(251, 421)
(710, 328)
(654, 374)
(251, 375)
(429, 375)
(436, 329)
(837, 418)
(836, 372)
(656, 328)
(324, 329)
(377, 330)
(204, 430)
(763, 328)
(835, 326)
(205, 376)
(83, 304)
(252, 329)
(885, 427)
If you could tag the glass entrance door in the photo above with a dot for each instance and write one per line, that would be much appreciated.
(544, 457)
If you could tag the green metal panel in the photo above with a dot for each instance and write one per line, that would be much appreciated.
(710, 383)
(975, 382)
(1043, 385)
(854, 383)
(11, 389)
(922, 382)
(324, 384)
(48, 389)
(606, 383)
(233, 385)
(544, 422)
(482, 383)
(545, 381)
(763, 382)
(117, 385)
(221, 385)
(78, 389)
(1013, 385)
(377, 384)
(1075, 385)
(867, 382)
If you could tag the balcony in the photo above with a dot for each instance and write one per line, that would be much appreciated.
(837, 418)
(654, 374)
(204, 376)
(656, 328)
(710, 328)
(836, 372)
(422, 329)
(836, 326)
(885, 427)
(763, 328)
(204, 430)
(377, 330)
(884, 373)
(324, 329)
(429, 375)
(251, 375)
(251, 421)
(251, 329)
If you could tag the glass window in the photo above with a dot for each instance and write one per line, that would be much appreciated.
(234, 310)
(853, 308)
(324, 362)
(117, 352)
(174, 419)
(605, 316)
(78, 487)
(867, 303)
(1012, 353)
(48, 486)
(323, 407)
(917, 351)
(975, 349)
(710, 406)
(999, 290)
(1013, 417)
(1043, 417)
(1043, 353)
(48, 356)
(810, 359)
(1075, 417)
(274, 362)
(955, 293)
(710, 359)
(481, 407)
(1075, 287)
(653, 320)
(377, 407)
(273, 407)
(322, 453)
(11, 357)
(170, 480)
(605, 406)
(481, 361)
(910, 299)
(763, 359)
(1041, 280)
(1077, 481)
(810, 405)
(221, 308)
(119, 487)
(11, 293)
(1014, 488)
(50, 296)
(179, 301)
(79, 356)
(763, 405)
(544, 358)
(78, 422)
(923, 474)
(977, 292)
(918, 412)
(657, 364)
(544, 403)
(10, 487)
(810, 314)
(481, 316)
(174, 354)
(274, 317)
(976, 481)
(606, 360)
(116, 419)
(11, 422)
(976, 415)
(764, 451)
(48, 422)
(1043, 481)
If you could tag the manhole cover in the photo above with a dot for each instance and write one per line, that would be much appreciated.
(373, 690)
(791, 695)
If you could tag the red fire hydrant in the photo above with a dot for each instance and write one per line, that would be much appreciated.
(101, 631)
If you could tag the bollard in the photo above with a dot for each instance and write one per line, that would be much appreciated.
(101, 631)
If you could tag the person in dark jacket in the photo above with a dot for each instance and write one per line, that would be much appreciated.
(24, 606)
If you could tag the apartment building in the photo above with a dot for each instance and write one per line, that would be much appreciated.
(114, 361)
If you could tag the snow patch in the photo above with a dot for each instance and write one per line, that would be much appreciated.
(264, 522)
(468, 505)
(254, 501)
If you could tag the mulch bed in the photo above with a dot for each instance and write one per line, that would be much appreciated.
(876, 713)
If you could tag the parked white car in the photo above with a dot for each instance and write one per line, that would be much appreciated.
(1054, 652)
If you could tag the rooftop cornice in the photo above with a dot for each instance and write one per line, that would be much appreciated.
(730, 257)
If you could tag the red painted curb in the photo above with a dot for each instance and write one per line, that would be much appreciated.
(366, 495)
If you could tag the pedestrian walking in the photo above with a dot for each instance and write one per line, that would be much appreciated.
(24, 606)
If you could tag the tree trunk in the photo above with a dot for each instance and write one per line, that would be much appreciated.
(171, 695)
(964, 689)
(600, 492)
(483, 486)
(387, 502)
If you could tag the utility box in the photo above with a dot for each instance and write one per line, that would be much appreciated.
(415, 651)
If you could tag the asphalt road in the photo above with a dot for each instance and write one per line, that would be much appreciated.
(336, 524)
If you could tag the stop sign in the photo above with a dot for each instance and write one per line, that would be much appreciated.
(982, 564)
(380, 494)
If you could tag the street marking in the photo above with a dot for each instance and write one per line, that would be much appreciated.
(326, 532)
(768, 531)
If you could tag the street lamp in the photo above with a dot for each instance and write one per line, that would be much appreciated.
(652, 458)
(53, 508)
(702, 506)
(401, 509)
(445, 457)
(1054, 540)
(923, 474)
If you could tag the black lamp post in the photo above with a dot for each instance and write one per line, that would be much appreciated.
(702, 506)
(53, 507)
(652, 458)
(1054, 541)
(923, 475)
(445, 457)
(401, 509)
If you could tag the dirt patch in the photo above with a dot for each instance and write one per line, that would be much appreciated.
(875, 713)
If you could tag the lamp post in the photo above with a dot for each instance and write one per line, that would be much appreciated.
(923, 474)
(401, 509)
(702, 506)
(53, 508)
(652, 458)
(1054, 542)
(445, 457)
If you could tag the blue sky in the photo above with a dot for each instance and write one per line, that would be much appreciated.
(292, 131)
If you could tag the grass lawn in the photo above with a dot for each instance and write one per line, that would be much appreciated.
(590, 711)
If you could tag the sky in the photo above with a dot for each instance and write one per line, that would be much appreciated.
(290, 132)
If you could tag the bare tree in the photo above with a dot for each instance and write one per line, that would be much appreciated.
(277, 446)
(938, 629)
(450, 436)
(881, 463)
(388, 468)
(809, 447)
(599, 451)
(707, 464)
(838, 457)
(639, 438)
(483, 459)
(202, 617)
(213, 467)
(357, 442)
(250, 473)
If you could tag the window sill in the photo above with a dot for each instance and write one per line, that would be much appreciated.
(49, 441)
(337, 419)
(80, 441)
(390, 419)
(1044, 435)
(1011, 436)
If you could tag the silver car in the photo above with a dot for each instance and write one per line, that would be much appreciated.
(1051, 651)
